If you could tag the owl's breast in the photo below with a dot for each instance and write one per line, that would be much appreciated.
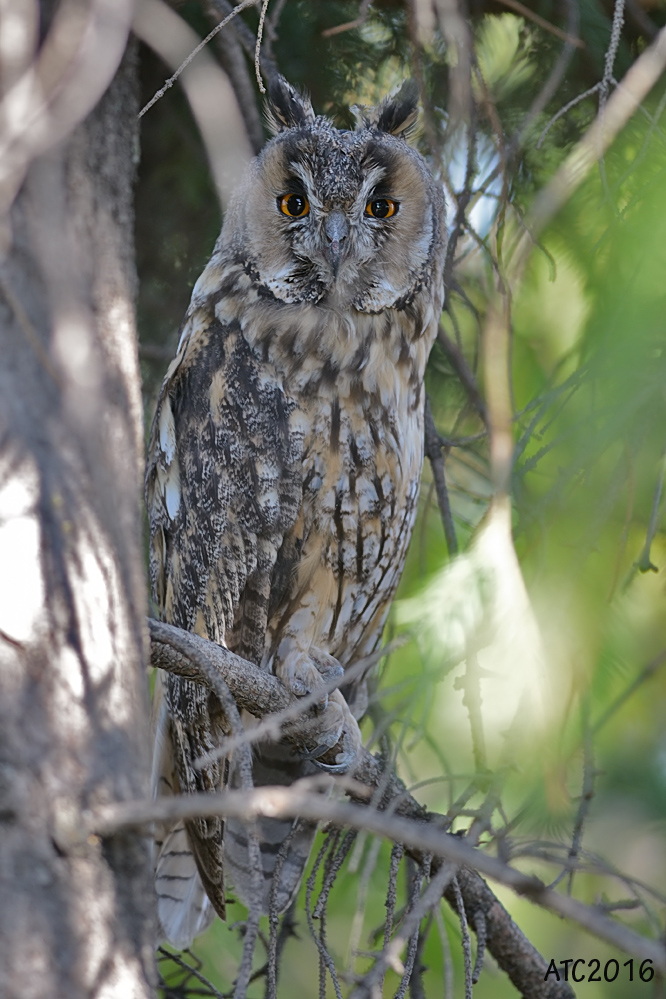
(361, 475)
(360, 469)
(357, 380)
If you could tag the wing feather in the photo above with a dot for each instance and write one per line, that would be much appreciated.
(223, 487)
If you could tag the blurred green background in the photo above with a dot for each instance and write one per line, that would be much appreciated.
(573, 684)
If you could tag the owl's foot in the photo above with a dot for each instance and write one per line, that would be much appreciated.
(303, 672)
(339, 738)
(334, 728)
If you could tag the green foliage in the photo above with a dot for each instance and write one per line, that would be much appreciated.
(504, 57)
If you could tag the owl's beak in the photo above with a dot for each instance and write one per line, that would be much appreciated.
(336, 228)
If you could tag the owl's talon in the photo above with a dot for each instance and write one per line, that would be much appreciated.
(343, 734)
(329, 668)
(344, 759)
(328, 740)
(335, 726)
(314, 754)
(302, 672)
(334, 768)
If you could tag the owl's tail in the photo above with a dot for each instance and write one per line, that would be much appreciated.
(284, 844)
(183, 908)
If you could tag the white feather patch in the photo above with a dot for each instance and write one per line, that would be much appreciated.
(167, 430)
(183, 909)
(172, 490)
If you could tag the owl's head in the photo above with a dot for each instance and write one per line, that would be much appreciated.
(347, 218)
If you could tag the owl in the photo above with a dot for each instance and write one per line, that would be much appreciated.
(284, 463)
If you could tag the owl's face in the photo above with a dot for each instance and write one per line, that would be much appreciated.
(339, 217)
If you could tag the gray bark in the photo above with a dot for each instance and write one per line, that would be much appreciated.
(75, 912)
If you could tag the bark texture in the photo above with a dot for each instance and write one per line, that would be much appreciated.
(75, 913)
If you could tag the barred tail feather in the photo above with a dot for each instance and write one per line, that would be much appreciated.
(183, 908)
(283, 843)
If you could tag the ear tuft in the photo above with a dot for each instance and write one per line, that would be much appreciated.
(286, 107)
(396, 114)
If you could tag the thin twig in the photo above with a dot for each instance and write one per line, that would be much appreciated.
(645, 674)
(325, 959)
(177, 959)
(257, 50)
(554, 79)
(611, 52)
(361, 900)
(446, 954)
(415, 921)
(464, 373)
(587, 791)
(234, 63)
(609, 62)
(433, 451)
(391, 897)
(332, 868)
(271, 28)
(471, 686)
(248, 40)
(193, 54)
(466, 942)
(416, 987)
(546, 25)
(273, 916)
(483, 816)
(637, 83)
(419, 906)
(645, 563)
(564, 110)
(480, 923)
(349, 25)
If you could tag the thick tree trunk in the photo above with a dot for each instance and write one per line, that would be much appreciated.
(75, 912)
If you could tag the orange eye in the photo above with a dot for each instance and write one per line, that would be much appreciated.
(381, 208)
(294, 205)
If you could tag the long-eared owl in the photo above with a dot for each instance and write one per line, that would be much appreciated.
(285, 459)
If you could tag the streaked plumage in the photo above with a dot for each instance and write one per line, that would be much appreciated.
(286, 453)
